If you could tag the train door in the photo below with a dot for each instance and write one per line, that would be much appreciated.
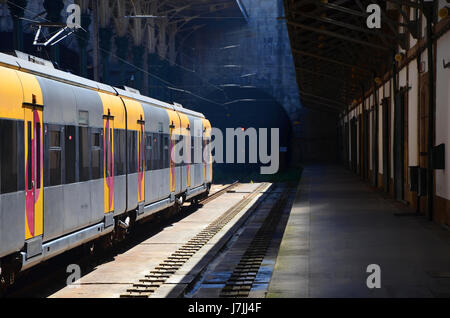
(186, 166)
(423, 134)
(366, 141)
(33, 170)
(399, 151)
(141, 160)
(346, 145)
(206, 151)
(204, 144)
(189, 162)
(386, 143)
(353, 149)
(374, 148)
(360, 145)
(108, 161)
(172, 128)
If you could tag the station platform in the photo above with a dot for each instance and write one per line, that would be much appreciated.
(339, 225)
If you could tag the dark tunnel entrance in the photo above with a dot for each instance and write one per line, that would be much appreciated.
(247, 107)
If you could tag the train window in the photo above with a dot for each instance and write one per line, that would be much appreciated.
(119, 152)
(161, 152)
(95, 139)
(148, 151)
(96, 154)
(20, 143)
(116, 152)
(83, 117)
(132, 152)
(199, 149)
(177, 141)
(192, 150)
(9, 156)
(55, 167)
(208, 152)
(55, 138)
(141, 151)
(123, 150)
(155, 151)
(204, 146)
(180, 139)
(166, 152)
(55, 157)
(38, 155)
(70, 154)
(84, 153)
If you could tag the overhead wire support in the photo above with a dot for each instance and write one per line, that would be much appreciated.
(55, 38)
(50, 24)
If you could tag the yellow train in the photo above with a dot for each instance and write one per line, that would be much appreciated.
(80, 160)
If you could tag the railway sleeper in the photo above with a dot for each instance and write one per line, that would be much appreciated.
(148, 286)
(146, 280)
(133, 296)
(141, 291)
(157, 275)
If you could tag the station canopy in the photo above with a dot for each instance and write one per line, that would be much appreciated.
(199, 12)
(336, 55)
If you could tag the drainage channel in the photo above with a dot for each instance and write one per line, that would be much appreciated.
(241, 280)
(161, 273)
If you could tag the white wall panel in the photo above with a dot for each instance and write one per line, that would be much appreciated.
(413, 128)
(402, 77)
(412, 17)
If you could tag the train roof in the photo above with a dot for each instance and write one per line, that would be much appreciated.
(69, 78)
(155, 102)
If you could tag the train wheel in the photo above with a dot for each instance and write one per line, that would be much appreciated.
(195, 202)
(3, 284)
(90, 247)
(173, 210)
(105, 242)
(7, 278)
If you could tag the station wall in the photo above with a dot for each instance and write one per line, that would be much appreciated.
(412, 86)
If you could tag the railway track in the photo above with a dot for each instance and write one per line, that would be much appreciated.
(54, 272)
(241, 280)
(219, 192)
(161, 273)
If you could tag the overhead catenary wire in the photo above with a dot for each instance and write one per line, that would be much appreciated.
(169, 84)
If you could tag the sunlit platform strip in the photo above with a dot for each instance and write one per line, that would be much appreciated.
(339, 225)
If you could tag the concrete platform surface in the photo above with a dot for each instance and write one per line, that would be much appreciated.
(113, 278)
(339, 225)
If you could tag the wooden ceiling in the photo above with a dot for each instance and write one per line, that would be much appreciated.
(336, 55)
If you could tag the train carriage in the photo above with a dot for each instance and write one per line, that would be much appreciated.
(80, 160)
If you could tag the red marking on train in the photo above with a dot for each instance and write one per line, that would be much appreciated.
(32, 195)
(29, 204)
(41, 157)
